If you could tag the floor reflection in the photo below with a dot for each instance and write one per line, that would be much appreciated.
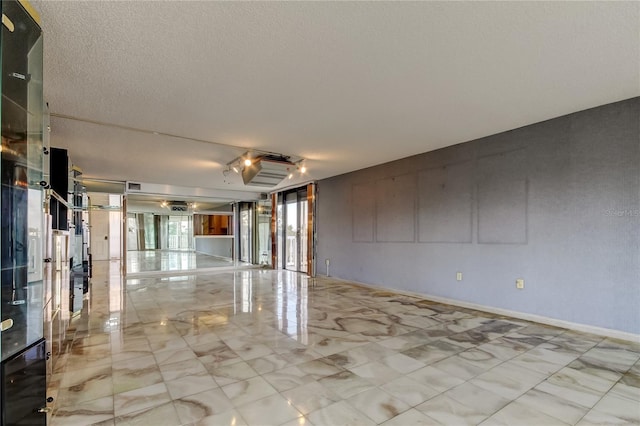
(159, 261)
(262, 347)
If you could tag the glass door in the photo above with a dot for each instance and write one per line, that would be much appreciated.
(303, 210)
(291, 232)
(296, 212)
(263, 235)
(246, 232)
(142, 230)
(180, 232)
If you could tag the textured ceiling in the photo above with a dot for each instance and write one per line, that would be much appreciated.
(345, 85)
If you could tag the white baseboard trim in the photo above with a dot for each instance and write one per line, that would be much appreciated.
(600, 331)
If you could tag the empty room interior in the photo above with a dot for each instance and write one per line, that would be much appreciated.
(320, 213)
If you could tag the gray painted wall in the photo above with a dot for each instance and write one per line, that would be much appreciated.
(556, 203)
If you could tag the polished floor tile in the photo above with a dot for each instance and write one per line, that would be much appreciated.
(516, 413)
(554, 406)
(205, 404)
(449, 411)
(409, 391)
(261, 347)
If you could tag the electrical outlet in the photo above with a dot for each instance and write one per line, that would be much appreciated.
(458, 276)
(326, 262)
(520, 283)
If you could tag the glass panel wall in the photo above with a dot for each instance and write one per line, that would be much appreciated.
(280, 239)
(141, 231)
(133, 232)
(292, 230)
(246, 232)
(179, 232)
(21, 197)
(115, 226)
(147, 231)
(303, 232)
(263, 237)
(148, 222)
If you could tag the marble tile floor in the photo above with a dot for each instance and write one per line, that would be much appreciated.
(258, 347)
(146, 262)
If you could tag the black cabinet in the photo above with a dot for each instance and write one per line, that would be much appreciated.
(59, 180)
(23, 393)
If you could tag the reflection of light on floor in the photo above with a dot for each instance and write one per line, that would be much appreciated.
(173, 260)
(116, 288)
(246, 291)
(112, 324)
(291, 307)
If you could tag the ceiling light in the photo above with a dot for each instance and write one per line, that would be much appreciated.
(264, 168)
(266, 172)
(303, 169)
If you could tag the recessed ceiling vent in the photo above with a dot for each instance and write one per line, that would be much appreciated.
(178, 206)
(266, 172)
(132, 186)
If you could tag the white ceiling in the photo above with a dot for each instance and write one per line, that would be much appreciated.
(345, 85)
